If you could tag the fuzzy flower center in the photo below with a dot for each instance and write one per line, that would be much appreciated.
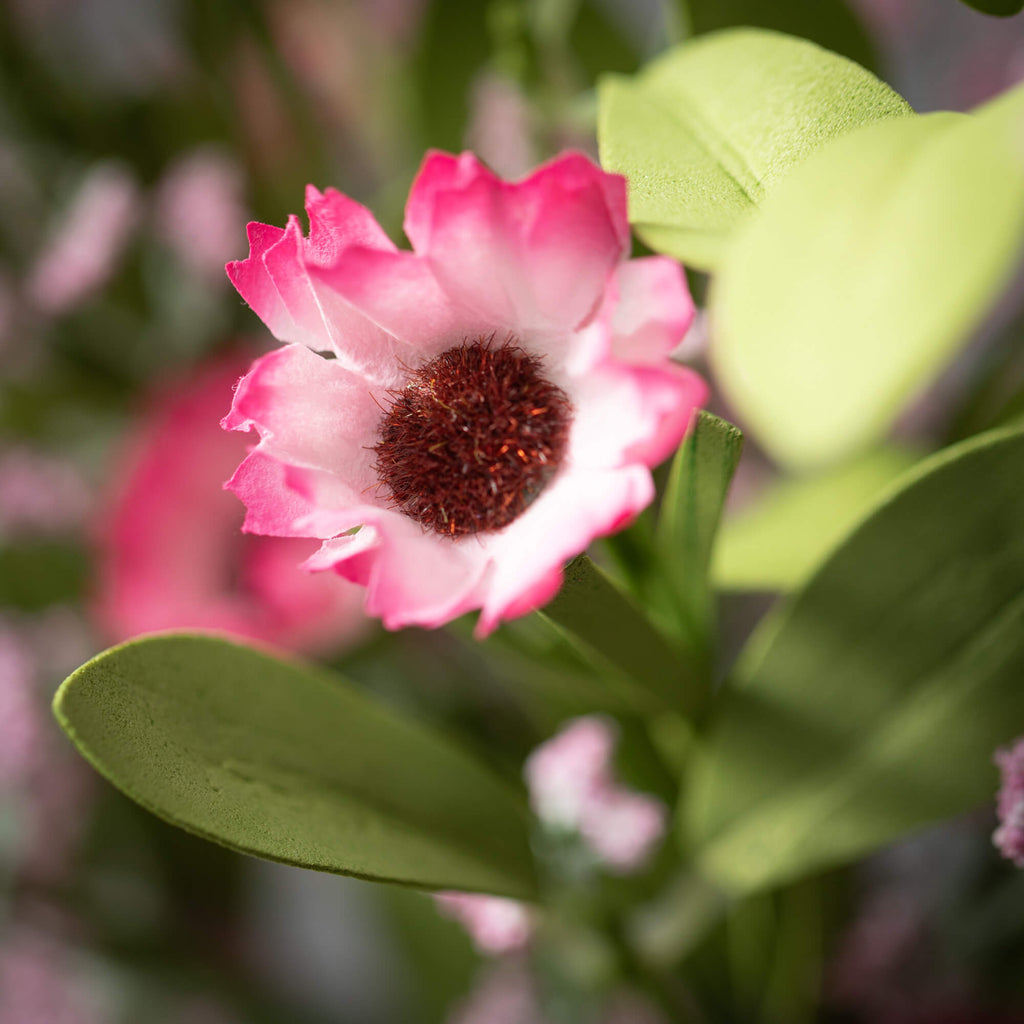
(472, 438)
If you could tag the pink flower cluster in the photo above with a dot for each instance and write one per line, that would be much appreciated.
(1009, 836)
(494, 923)
(493, 401)
(572, 787)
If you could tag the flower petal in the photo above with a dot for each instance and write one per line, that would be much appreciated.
(337, 222)
(413, 578)
(310, 411)
(575, 508)
(654, 309)
(398, 292)
(533, 255)
(633, 414)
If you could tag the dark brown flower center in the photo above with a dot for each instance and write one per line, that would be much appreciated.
(472, 438)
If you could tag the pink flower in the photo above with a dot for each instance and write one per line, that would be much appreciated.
(199, 209)
(1009, 837)
(171, 556)
(84, 251)
(495, 399)
(495, 924)
(572, 787)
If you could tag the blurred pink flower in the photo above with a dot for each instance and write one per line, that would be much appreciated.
(200, 210)
(84, 250)
(39, 493)
(21, 726)
(500, 127)
(505, 994)
(496, 398)
(495, 924)
(40, 982)
(1009, 836)
(572, 787)
(171, 554)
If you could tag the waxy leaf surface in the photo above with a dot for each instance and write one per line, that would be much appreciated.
(284, 761)
(707, 131)
(872, 702)
(864, 274)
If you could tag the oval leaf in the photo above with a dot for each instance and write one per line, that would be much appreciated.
(282, 761)
(705, 132)
(777, 541)
(872, 703)
(864, 275)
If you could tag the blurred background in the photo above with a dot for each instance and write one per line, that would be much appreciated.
(137, 138)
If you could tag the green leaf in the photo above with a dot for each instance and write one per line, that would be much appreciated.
(780, 539)
(454, 46)
(690, 510)
(829, 23)
(613, 633)
(705, 132)
(864, 275)
(1000, 8)
(284, 761)
(872, 702)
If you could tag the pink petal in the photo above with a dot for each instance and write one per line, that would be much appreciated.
(413, 578)
(337, 222)
(654, 309)
(630, 414)
(398, 292)
(272, 507)
(575, 508)
(311, 412)
(563, 773)
(623, 827)
(275, 280)
(254, 284)
(529, 256)
(495, 924)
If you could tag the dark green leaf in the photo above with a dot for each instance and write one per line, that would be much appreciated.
(690, 510)
(454, 46)
(38, 573)
(829, 23)
(287, 762)
(1000, 8)
(872, 703)
(603, 622)
(851, 290)
(706, 131)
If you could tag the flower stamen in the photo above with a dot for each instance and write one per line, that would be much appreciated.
(473, 438)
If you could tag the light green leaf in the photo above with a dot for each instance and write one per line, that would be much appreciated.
(604, 624)
(872, 703)
(705, 132)
(864, 274)
(779, 540)
(283, 761)
(690, 510)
